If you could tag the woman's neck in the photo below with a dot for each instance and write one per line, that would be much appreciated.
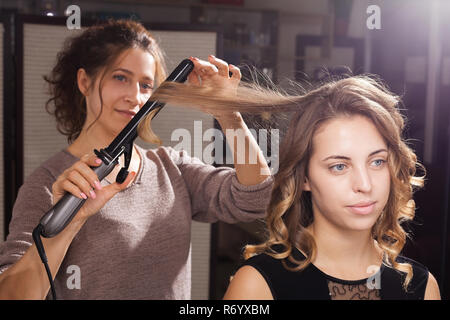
(344, 254)
(87, 141)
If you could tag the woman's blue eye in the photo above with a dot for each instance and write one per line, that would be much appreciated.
(380, 162)
(120, 77)
(338, 167)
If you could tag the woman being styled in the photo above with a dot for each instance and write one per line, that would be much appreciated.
(343, 189)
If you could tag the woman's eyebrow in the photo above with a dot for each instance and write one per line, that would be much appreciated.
(131, 73)
(348, 158)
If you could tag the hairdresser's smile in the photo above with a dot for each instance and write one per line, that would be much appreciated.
(128, 114)
(348, 173)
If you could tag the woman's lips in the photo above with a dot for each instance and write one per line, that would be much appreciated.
(126, 114)
(362, 209)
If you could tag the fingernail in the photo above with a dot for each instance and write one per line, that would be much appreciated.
(98, 161)
(211, 56)
(98, 185)
(83, 195)
(133, 174)
(93, 196)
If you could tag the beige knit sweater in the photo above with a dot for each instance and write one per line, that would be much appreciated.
(138, 245)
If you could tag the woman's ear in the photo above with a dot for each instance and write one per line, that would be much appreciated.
(306, 186)
(83, 81)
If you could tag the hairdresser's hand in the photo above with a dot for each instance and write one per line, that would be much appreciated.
(215, 73)
(81, 181)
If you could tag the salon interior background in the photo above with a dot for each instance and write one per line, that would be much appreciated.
(286, 40)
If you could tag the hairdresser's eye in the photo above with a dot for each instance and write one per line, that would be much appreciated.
(120, 77)
(147, 86)
(379, 162)
(338, 167)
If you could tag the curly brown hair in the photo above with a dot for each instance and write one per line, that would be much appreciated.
(290, 212)
(94, 50)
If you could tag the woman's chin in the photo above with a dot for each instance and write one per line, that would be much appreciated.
(361, 224)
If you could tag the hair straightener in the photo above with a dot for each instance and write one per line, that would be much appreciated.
(60, 215)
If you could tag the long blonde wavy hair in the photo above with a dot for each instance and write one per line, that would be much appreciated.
(289, 212)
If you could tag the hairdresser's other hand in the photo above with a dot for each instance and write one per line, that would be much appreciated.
(215, 73)
(81, 181)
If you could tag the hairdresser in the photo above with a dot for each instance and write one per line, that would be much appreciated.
(129, 240)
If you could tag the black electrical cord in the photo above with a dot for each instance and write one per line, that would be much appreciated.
(40, 248)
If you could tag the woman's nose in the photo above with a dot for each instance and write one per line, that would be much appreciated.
(134, 94)
(361, 180)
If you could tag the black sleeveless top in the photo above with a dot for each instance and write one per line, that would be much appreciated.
(313, 284)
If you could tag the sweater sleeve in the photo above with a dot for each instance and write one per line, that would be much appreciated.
(34, 199)
(216, 193)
